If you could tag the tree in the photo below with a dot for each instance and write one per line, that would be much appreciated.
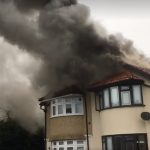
(14, 137)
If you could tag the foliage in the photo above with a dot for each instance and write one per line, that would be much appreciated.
(14, 137)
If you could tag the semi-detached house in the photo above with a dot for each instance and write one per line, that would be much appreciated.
(112, 114)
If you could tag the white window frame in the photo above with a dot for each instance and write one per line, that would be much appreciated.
(75, 144)
(113, 103)
(66, 100)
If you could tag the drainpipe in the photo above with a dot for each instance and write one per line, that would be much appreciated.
(86, 122)
(44, 108)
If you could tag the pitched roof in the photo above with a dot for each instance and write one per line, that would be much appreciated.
(68, 90)
(117, 78)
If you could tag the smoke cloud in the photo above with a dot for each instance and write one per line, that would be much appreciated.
(60, 38)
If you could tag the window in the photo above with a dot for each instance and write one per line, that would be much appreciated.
(67, 106)
(125, 95)
(125, 142)
(119, 96)
(106, 98)
(69, 145)
(114, 96)
(137, 98)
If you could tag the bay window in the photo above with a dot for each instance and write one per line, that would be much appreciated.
(67, 106)
(119, 96)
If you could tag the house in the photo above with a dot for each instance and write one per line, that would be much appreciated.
(113, 114)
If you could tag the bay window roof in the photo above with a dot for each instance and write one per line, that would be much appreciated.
(124, 77)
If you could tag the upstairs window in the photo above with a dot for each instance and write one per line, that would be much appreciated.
(114, 92)
(119, 96)
(67, 106)
(106, 97)
(125, 95)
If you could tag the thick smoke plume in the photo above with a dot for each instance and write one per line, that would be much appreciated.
(64, 43)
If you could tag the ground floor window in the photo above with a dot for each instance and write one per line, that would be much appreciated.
(125, 142)
(69, 145)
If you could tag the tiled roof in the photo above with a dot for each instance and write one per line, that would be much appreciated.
(122, 76)
(144, 71)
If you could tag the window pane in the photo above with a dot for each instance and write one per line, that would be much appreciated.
(125, 88)
(106, 98)
(80, 148)
(78, 108)
(68, 108)
(69, 142)
(61, 142)
(97, 101)
(125, 98)
(115, 96)
(80, 142)
(109, 143)
(60, 109)
(103, 143)
(54, 110)
(137, 94)
(61, 148)
(69, 148)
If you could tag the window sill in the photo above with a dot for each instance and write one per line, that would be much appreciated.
(69, 115)
(125, 106)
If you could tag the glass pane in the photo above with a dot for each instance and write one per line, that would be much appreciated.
(137, 94)
(80, 148)
(104, 146)
(124, 88)
(61, 142)
(54, 143)
(68, 108)
(78, 108)
(109, 143)
(80, 142)
(141, 142)
(106, 98)
(61, 148)
(103, 143)
(115, 96)
(97, 101)
(69, 148)
(60, 109)
(69, 142)
(54, 110)
(125, 98)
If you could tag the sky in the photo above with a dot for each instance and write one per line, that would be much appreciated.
(130, 18)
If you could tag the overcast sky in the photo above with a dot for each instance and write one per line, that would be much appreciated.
(130, 17)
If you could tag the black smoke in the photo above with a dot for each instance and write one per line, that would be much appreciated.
(60, 35)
